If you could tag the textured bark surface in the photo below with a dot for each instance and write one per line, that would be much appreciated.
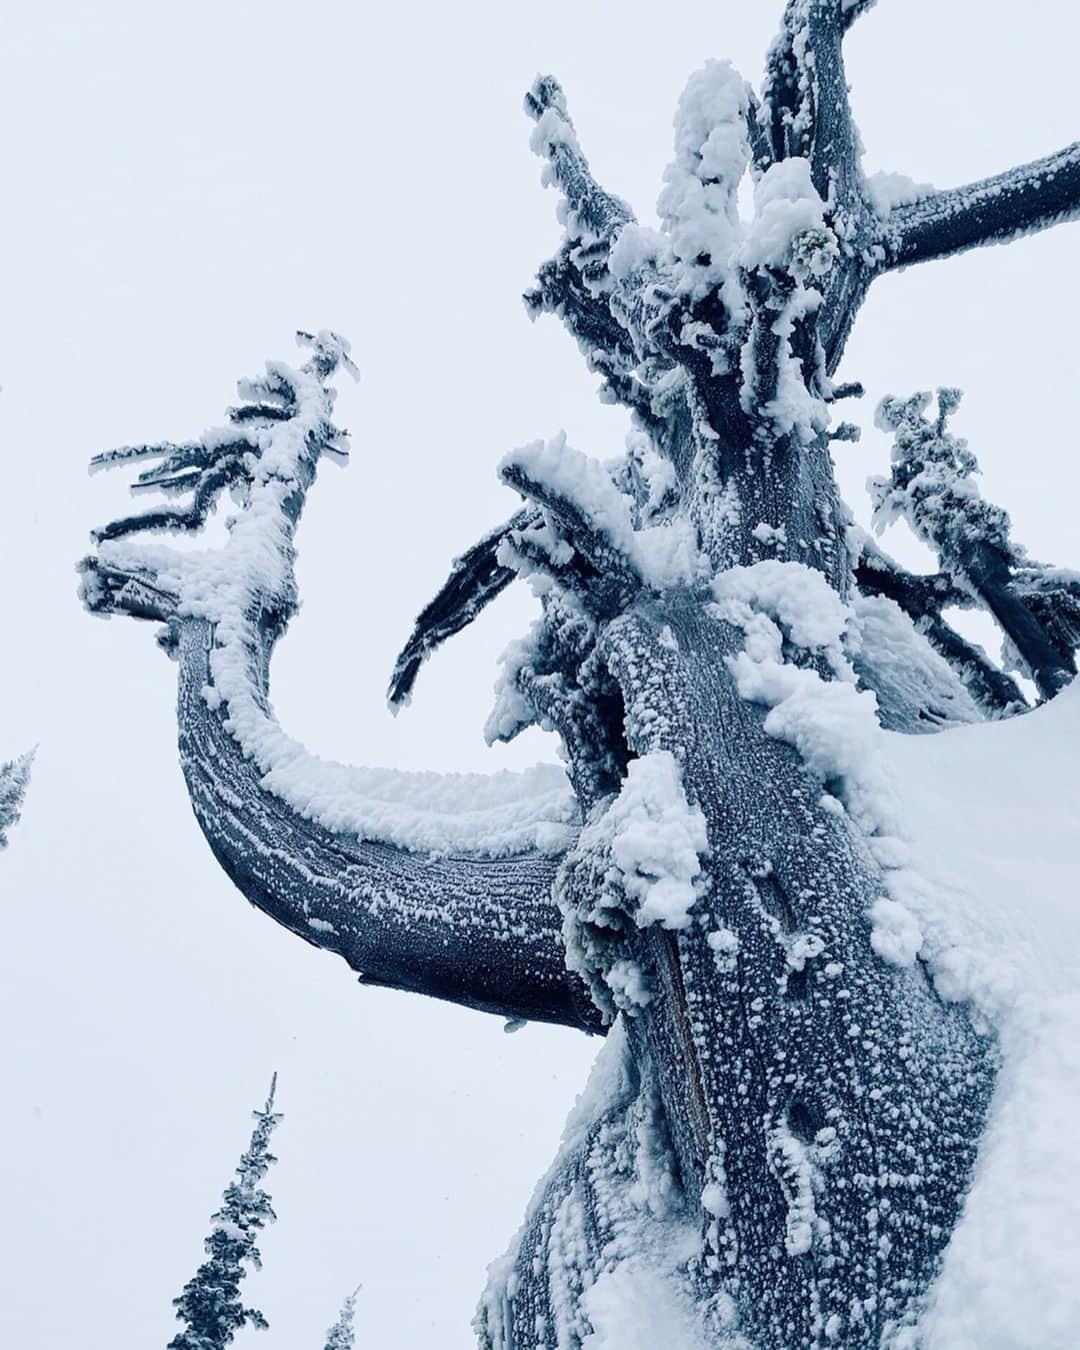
(835, 1101)
(881, 1086)
(481, 932)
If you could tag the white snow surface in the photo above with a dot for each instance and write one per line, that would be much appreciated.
(786, 205)
(992, 813)
(657, 840)
(636, 1307)
(888, 190)
(698, 204)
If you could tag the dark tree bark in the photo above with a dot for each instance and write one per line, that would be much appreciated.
(483, 932)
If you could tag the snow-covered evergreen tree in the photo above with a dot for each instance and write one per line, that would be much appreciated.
(342, 1336)
(776, 1145)
(14, 777)
(210, 1305)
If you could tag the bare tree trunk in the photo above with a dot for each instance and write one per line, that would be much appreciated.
(840, 1096)
(823, 1105)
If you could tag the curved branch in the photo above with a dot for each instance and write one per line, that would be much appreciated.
(476, 578)
(482, 932)
(436, 883)
(995, 210)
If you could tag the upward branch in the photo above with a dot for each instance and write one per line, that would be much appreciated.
(805, 105)
(593, 213)
(418, 880)
(585, 284)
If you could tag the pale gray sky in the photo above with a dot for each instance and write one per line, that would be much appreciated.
(186, 184)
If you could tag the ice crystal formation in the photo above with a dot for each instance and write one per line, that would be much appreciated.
(778, 1138)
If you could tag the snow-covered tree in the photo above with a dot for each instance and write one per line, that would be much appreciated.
(778, 1138)
(341, 1335)
(210, 1305)
(14, 777)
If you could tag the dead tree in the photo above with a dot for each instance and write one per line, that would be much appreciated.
(783, 1128)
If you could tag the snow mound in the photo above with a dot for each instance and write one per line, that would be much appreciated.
(657, 840)
(993, 815)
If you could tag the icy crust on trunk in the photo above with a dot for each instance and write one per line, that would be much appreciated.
(245, 585)
(974, 831)
(608, 1236)
(795, 661)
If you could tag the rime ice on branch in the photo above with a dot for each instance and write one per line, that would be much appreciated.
(781, 1137)
(932, 487)
(439, 883)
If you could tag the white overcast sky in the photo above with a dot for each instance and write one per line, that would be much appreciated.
(184, 185)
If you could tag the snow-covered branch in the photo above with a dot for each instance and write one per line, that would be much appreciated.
(616, 325)
(923, 598)
(476, 578)
(591, 212)
(805, 108)
(480, 931)
(995, 210)
(932, 487)
(418, 880)
(596, 520)
(562, 289)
